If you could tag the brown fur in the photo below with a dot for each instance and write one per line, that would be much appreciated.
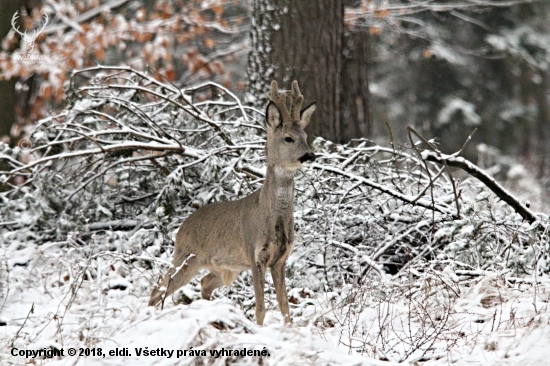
(256, 231)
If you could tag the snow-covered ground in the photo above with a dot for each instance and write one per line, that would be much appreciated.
(392, 263)
(64, 295)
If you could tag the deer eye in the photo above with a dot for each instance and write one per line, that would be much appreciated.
(289, 139)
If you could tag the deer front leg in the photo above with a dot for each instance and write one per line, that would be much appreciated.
(262, 256)
(258, 277)
(278, 274)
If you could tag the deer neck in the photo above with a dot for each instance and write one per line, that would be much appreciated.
(278, 189)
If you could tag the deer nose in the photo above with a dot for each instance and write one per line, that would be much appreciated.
(308, 157)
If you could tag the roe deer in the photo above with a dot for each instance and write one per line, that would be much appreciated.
(256, 231)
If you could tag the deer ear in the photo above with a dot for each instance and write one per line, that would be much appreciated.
(305, 115)
(273, 116)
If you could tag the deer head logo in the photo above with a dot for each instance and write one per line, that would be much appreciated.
(29, 39)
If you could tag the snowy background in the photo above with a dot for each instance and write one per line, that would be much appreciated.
(397, 258)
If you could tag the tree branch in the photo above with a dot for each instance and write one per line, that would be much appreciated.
(489, 181)
(405, 198)
(66, 23)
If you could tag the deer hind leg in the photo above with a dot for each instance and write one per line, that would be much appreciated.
(174, 279)
(209, 283)
(214, 280)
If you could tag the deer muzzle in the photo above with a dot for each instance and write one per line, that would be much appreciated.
(307, 158)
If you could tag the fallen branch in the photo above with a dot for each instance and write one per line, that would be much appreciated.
(384, 189)
(489, 181)
(127, 145)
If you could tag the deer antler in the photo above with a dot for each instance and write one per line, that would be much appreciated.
(14, 26)
(297, 100)
(280, 100)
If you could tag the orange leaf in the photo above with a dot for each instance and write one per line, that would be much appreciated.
(71, 63)
(143, 37)
(382, 13)
(59, 94)
(375, 30)
(170, 74)
(46, 90)
(217, 67)
(209, 42)
(199, 64)
(218, 9)
(99, 54)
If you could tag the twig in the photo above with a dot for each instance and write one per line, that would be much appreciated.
(21, 327)
(431, 184)
(434, 149)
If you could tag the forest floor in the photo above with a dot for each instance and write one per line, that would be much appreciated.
(61, 296)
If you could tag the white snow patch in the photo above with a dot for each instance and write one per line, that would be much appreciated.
(456, 105)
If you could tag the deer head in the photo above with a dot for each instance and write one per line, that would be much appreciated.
(286, 145)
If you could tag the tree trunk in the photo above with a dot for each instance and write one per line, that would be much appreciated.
(307, 41)
(355, 103)
(304, 41)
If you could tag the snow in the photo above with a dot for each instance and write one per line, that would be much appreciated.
(119, 320)
(498, 42)
(454, 105)
(501, 322)
(382, 271)
(447, 54)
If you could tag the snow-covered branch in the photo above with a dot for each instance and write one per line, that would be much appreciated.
(385, 189)
(131, 149)
(486, 179)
